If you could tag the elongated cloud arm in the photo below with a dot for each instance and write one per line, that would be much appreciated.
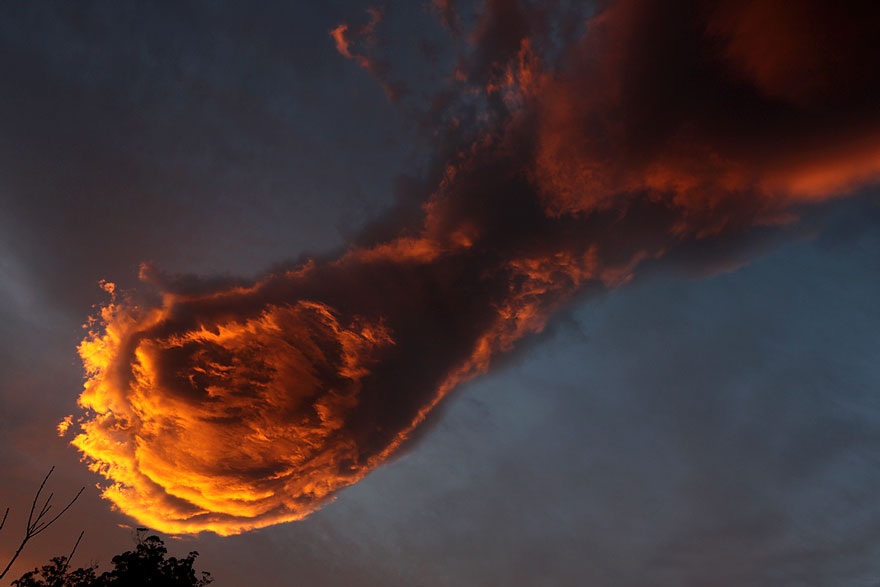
(656, 132)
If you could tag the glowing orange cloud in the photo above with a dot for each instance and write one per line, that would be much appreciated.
(659, 131)
(228, 425)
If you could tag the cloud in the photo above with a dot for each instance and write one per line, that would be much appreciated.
(445, 11)
(353, 42)
(229, 406)
(694, 121)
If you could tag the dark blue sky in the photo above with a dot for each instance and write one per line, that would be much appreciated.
(677, 431)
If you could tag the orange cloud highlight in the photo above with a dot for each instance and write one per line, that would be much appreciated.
(347, 37)
(228, 425)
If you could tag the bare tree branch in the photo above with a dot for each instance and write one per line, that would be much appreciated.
(36, 525)
(73, 550)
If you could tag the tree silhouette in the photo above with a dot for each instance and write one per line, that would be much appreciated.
(146, 565)
(56, 574)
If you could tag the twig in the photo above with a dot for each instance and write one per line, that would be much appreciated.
(36, 525)
(70, 556)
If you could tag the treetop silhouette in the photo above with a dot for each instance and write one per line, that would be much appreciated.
(147, 565)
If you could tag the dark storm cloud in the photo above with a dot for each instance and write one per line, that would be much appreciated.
(656, 135)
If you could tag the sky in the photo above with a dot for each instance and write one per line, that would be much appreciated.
(547, 293)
